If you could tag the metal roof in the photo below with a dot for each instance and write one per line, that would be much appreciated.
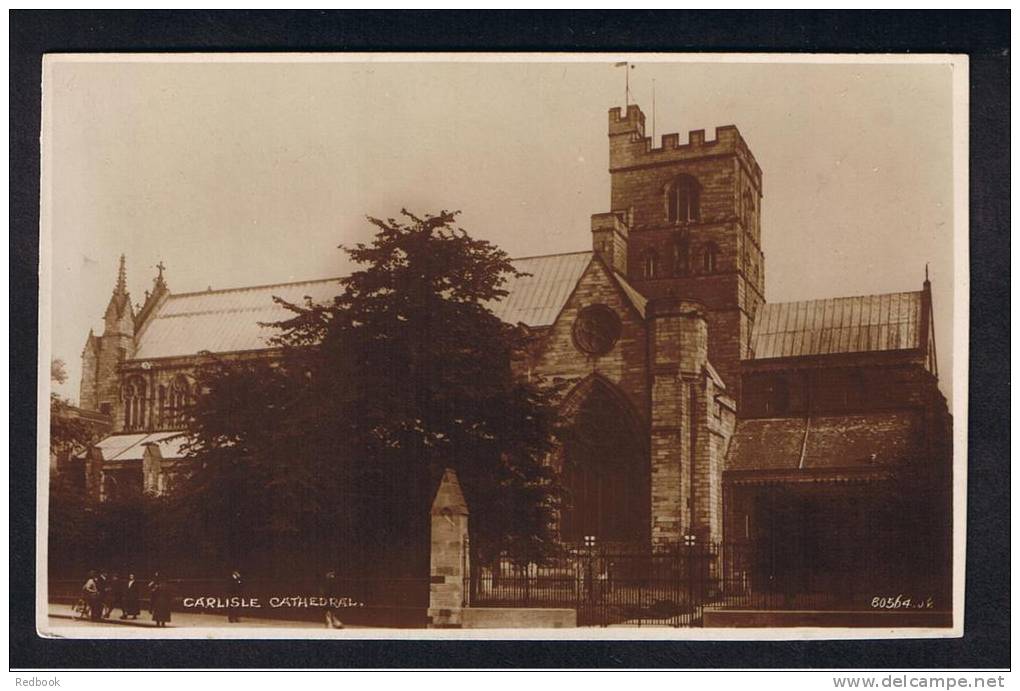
(537, 299)
(117, 444)
(858, 324)
(131, 447)
(221, 321)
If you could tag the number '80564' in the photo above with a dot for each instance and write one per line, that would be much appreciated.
(901, 602)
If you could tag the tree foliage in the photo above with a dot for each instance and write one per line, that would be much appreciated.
(337, 446)
(68, 433)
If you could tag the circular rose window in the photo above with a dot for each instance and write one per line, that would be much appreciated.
(596, 330)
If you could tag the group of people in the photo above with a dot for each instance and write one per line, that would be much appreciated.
(102, 594)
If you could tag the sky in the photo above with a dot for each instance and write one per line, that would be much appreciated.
(251, 173)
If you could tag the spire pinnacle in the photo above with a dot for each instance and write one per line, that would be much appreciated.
(160, 282)
(121, 288)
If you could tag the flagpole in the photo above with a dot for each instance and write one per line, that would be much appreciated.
(653, 112)
(627, 67)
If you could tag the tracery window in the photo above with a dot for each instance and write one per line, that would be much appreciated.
(683, 197)
(161, 406)
(179, 399)
(134, 403)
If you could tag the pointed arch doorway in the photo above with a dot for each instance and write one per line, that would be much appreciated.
(605, 468)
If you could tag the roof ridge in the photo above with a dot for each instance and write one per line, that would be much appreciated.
(255, 287)
(844, 297)
(554, 254)
(335, 278)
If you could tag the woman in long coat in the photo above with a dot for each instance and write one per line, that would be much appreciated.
(130, 598)
(159, 601)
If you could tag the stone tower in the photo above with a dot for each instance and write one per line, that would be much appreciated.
(103, 355)
(685, 224)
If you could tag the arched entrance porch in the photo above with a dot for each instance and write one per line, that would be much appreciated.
(605, 468)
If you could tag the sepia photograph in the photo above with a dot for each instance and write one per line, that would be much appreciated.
(480, 345)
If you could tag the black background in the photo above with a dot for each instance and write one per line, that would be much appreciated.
(983, 35)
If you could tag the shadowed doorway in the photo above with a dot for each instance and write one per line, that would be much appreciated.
(605, 468)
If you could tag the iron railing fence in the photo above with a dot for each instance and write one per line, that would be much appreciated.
(672, 586)
(606, 586)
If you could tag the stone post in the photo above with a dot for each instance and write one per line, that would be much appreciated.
(94, 473)
(152, 468)
(450, 564)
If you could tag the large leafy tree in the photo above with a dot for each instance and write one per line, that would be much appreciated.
(76, 539)
(337, 446)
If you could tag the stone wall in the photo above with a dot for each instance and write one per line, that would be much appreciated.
(625, 365)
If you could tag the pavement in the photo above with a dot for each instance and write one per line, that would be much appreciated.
(62, 616)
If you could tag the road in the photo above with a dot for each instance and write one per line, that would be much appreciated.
(61, 616)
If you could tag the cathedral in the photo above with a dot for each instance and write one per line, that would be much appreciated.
(813, 429)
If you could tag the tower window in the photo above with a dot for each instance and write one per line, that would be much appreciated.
(710, 258)
(683, 200)
(681, 257)
(650, 263)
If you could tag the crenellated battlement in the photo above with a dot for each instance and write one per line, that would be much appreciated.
(631, 122)
(637, 150)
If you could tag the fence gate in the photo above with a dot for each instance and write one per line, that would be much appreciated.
(668, 588)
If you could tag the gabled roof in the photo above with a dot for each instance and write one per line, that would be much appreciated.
(865, 323)
(221, 321)
(536, 300)
(823, 442)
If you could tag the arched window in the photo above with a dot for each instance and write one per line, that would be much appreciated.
(650, 263)
(683, 200)
(681, 257)
(710, 258)
(180, 397)
(161, 406)
(134, 403)
(748, 210)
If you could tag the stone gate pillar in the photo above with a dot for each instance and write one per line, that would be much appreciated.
(449, 563)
